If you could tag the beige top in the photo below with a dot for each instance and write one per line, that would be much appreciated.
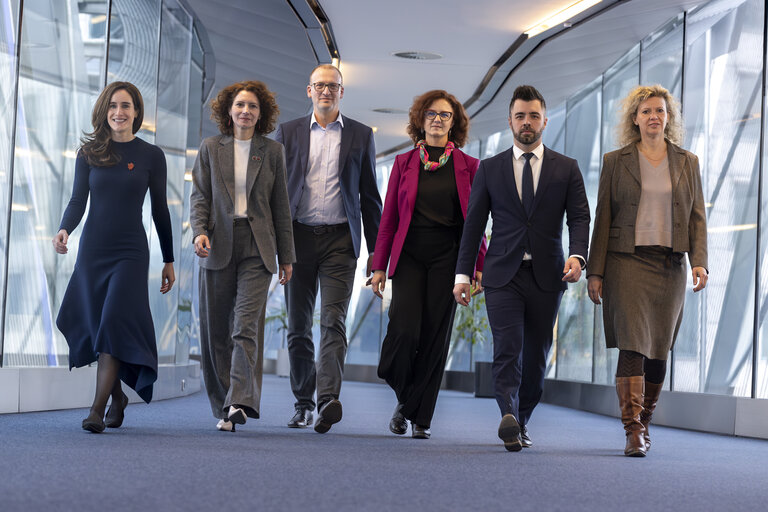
(654, 212)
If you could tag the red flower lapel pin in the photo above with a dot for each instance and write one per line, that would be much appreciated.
(130, 166)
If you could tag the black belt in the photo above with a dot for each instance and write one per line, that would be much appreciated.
(240, 221)
(320, 230)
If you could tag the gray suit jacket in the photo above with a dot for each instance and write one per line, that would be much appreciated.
(213, 201)
(619, 196)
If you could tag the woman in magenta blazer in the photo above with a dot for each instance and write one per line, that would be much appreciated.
(419, 236)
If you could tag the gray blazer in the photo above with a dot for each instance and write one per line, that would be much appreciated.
(213, 200)
(618, 198)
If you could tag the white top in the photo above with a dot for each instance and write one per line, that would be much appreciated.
(321, 202)
(242, 151)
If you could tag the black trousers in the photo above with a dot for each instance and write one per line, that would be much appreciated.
(325, 257)
(415, 348)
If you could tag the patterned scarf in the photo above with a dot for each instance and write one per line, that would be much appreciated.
(433, 166)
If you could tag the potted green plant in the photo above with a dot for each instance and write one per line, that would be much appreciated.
(471, 325)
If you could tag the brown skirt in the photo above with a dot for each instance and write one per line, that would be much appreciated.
(643, 296)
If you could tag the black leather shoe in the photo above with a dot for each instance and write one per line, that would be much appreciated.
(398, 424)
(116, 412)
(302, 419)
(509, 432)
(525, 439)
(93, 423)
(419, 432)
(329, 414)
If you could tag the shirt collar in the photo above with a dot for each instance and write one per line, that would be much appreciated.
(538, 152)
(313, 121)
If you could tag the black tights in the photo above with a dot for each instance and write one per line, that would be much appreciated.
(632, 364)
(107, 383)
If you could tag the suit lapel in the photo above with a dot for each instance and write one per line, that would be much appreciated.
(255, 159)
(412, 171)
(509, 174)
(676, 160)
(462, 178)
(303, 140)
(346, 143)
(227, 164)
(545, 176)
(630, 160)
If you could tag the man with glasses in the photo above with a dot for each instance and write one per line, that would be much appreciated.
(331, 174)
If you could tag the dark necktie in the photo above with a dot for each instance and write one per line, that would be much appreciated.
(527, 184)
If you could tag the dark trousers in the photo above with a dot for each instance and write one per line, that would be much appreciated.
(415, 348)
(324, 256)
(232, 307)
(521, 316)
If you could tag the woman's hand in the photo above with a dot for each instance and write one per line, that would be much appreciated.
(168, 278)
(477, 284)
(378, 282)
(700, 278)
(284, 273)
(595, 288)
(202, 245)
(60, 241)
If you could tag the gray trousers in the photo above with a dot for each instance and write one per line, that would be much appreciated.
(232, 308)
(324, 256)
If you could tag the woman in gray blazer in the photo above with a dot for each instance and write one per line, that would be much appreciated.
(240, 220)
(650, 211)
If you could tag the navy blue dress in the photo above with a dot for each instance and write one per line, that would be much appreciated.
(106, 305)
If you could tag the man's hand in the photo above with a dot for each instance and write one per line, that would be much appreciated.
(700, 278)
(462, 294)
(368, 265)
(284, 273)
(477, 285)
(202, 245)
(572, 270)
(595, 288)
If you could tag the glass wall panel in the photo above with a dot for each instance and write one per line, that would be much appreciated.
(171, 136)
(582, 142)
(761, 377)
(618, 80)
(662, 57)
(554, 133)
(9, 25)
(722, 102)
(56, 93)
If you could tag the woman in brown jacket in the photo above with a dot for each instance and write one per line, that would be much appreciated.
(650, 210)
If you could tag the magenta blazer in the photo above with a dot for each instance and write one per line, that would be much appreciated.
(401, 199)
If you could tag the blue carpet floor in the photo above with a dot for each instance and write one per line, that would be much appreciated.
(169, 456)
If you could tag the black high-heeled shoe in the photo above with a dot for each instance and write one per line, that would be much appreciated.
(116, 412)
(93, 423)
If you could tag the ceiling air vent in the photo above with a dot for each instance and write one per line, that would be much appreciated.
(418, 55)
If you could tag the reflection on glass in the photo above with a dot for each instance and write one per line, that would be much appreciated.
(721, 110)
(662, 57)
(9, 12)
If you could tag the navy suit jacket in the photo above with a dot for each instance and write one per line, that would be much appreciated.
(357, 169)
(560, 192)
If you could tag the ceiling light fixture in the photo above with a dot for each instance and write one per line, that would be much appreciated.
(388, 110)
(418, 55)
(561, 16)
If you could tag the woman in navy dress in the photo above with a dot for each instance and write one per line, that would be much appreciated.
(105, 314)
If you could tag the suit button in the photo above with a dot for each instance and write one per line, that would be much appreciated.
(528, 224)
(250, 217)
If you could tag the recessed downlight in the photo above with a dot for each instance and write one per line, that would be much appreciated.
(418, 55)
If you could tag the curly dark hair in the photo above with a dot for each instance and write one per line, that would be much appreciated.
(96, 146)
(269, 110)
(460, 129)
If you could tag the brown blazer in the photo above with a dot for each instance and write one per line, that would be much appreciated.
(619, 195)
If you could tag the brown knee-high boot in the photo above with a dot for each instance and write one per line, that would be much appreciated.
(651, 396)
(630, 391)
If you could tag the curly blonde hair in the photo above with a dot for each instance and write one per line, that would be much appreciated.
(627, 132)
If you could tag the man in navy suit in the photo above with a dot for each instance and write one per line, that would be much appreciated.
(528, 189)
(331, 175)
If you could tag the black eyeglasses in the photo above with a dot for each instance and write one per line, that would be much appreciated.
(431, 114)
(320, 86)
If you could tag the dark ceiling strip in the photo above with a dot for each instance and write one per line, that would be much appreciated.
(506, 61)
(318, 28)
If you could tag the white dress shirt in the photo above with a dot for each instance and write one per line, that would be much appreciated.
(321, 202)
